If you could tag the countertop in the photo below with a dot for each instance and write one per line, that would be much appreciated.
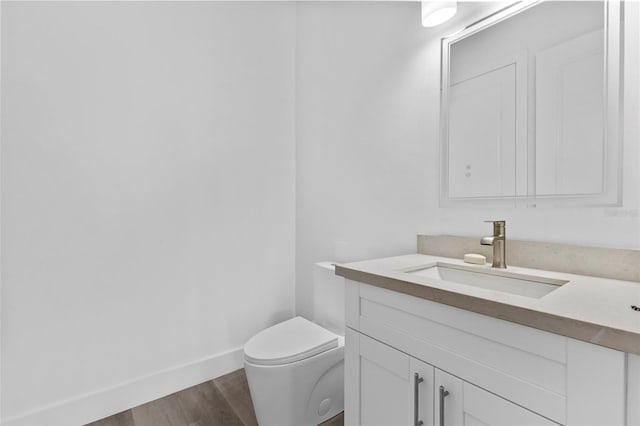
(591, 309)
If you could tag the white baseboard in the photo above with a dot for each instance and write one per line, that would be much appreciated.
(96, 405)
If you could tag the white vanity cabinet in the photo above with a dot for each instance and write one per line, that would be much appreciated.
(397, 389)
(495, 372)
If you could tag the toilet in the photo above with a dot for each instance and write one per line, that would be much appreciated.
(295, 369)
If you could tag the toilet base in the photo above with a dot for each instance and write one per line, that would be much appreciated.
(302, 393)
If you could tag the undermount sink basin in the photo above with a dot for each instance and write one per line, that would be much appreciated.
(508, 282)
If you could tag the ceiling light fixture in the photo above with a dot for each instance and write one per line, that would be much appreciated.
(436, 12)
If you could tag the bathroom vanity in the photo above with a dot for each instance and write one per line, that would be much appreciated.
(431, 340)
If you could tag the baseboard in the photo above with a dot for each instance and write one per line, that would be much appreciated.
(105, 402)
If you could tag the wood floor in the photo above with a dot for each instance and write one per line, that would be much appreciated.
(224, 401)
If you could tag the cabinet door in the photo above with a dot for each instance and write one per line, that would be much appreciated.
(465, 404)
(382, 385)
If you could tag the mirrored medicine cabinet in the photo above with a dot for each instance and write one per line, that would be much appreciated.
(531, 107)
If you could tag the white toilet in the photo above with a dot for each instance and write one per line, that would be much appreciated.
(295, 369)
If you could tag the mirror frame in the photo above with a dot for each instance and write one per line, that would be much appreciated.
(612, 122)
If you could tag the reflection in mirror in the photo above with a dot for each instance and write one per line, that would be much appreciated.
(530, 106)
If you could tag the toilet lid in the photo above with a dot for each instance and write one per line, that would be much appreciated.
(290, 341)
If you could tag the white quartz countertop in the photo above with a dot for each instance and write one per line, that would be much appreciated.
(596, 310)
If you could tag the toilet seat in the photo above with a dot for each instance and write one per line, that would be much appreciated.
(290, 341)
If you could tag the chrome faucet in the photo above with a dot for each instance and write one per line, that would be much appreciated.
(499, 242)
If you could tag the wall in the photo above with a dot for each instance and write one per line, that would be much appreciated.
(363, 120)
(147, 197)
(367, 144)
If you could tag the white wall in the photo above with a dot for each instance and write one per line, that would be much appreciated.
(367, 140)
(147, 197)
(364, 115)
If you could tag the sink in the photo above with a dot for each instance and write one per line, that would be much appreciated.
(507, 282)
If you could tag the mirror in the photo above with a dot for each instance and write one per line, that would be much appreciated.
(530, 109)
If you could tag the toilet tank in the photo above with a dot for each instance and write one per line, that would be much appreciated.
(328, 297)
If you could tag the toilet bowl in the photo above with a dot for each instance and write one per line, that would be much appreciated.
(295, 369)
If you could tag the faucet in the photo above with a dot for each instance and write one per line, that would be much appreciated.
(499, 241)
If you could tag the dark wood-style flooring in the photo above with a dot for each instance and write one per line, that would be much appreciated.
(224, 401)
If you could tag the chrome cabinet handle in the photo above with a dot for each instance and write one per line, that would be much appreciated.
(416, 392)
(443, 394)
